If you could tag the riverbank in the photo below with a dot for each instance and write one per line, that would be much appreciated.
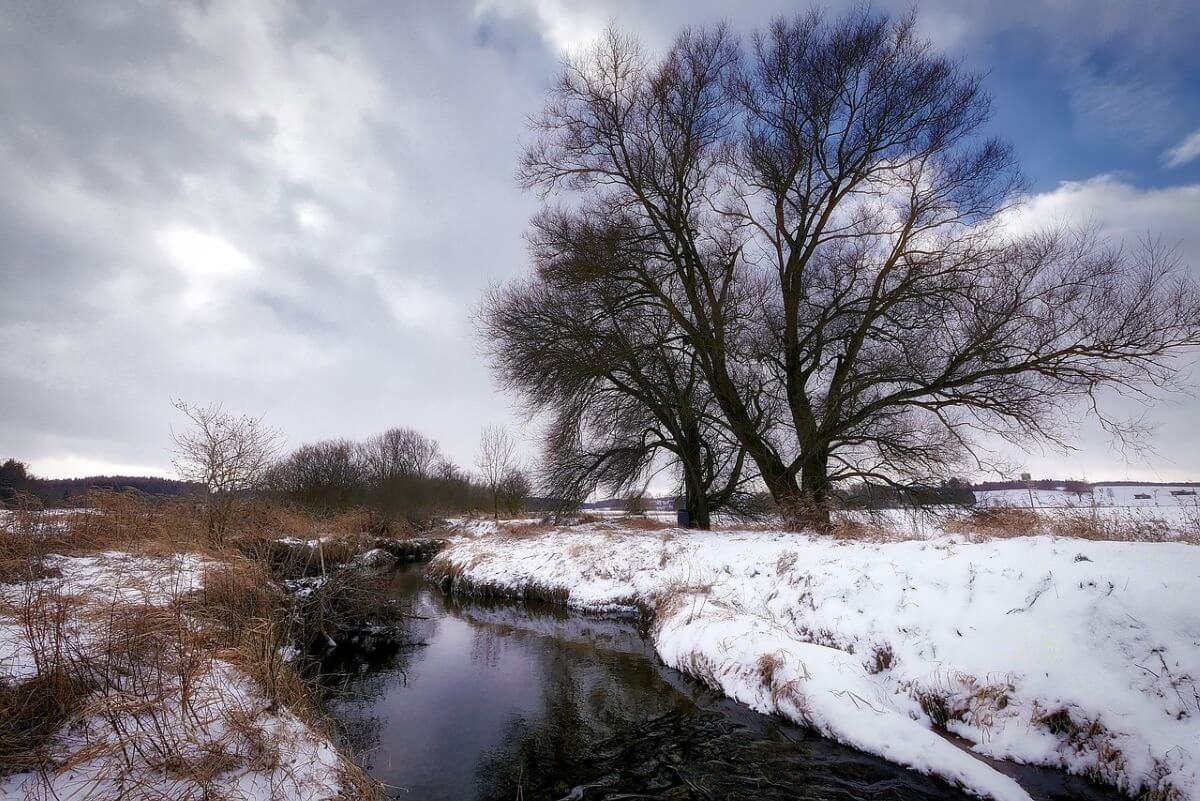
(1070, 653)
(140, 660)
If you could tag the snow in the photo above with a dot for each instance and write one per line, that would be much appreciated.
(1069, 653)
(471, 527)
(110, 577)
(133, 724)
(1101, 495)
(226, 720)
(313, 542)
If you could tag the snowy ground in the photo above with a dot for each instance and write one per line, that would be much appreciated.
(1139, 496)
(169, 719)
(1070, 653)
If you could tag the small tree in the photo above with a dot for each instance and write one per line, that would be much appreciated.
(514, 490)
(398, 452)
(1078, 487)
(229, 454)
(497, 452)
(325, 476)
(635, 503)
(14, 480)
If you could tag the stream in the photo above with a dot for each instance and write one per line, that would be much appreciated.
(523, 702)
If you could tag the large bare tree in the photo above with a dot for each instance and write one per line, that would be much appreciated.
(822, 218)
(622, 393)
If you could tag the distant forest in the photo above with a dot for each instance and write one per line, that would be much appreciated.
(16, 479)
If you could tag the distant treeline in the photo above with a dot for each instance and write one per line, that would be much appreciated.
(399, 474)
(1073, 485)
(15, 480)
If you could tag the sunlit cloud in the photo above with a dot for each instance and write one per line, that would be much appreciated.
(209, 263)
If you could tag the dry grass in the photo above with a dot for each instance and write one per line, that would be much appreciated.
(963, 698)
(642, 523)
(33, 711)
(882, 658)
(678, 595)
(165, 688)
(1110, 527)
(783, 693)
(1087, 735)
(701, 666)
(999, 523)
(1097, 524)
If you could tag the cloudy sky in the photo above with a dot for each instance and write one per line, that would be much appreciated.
(292, 207)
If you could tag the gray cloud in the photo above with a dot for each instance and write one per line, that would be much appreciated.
(291, 208)
(288, 211)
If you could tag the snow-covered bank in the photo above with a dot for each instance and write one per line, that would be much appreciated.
(134, 697)
(1070, 653)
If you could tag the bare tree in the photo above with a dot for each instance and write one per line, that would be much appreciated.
(229, 454)
(514, 490)
(822, 219)
(622, 392)
(497, 456)
(399, 452)
(325, 476)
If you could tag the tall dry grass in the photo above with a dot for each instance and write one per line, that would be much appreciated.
(1102, 524)
(151, 684)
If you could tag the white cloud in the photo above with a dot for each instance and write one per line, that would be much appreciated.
(1126, 213)
(209, 263)
(1123, 211)
(254, 203)
(1185, 151)
(415, 304)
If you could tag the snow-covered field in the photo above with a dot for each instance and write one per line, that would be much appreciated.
(1102, 496)
(1070, 653)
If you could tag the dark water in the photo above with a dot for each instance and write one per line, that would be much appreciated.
(504, 701)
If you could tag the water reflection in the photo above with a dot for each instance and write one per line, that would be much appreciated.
(511, 702)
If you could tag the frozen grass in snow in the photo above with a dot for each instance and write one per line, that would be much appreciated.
(128, 676)
(1071, 653)
(217, 738)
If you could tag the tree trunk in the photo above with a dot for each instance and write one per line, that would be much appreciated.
(695, 497)
(806, 505)
(699, 512)
(812, 510)
(696, 482)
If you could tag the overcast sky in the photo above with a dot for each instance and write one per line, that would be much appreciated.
(291, 208)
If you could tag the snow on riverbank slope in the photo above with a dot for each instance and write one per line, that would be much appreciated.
(1070, 653)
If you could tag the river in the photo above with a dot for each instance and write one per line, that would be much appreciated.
(523, 702)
